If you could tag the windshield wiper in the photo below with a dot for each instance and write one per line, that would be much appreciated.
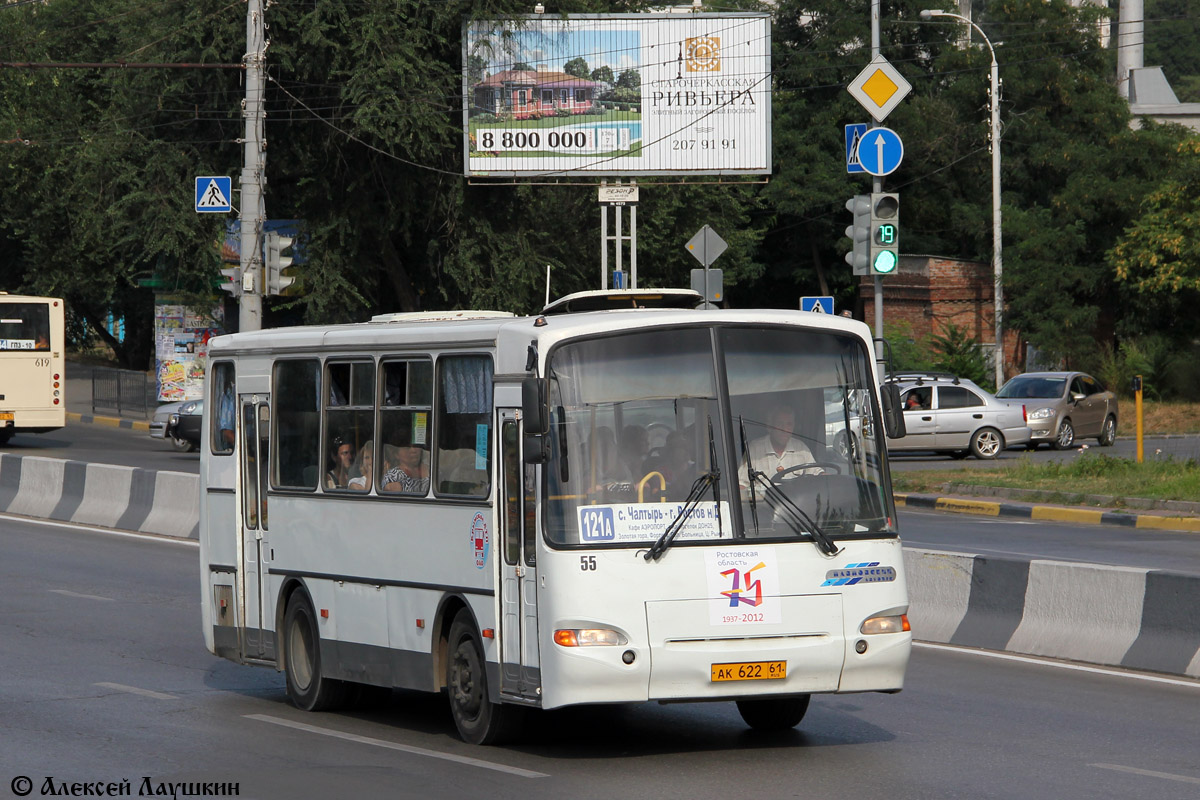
(711, 478)
(806, 524)
(749, 471)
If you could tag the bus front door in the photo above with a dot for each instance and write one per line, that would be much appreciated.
(519, 655)
(254, 460)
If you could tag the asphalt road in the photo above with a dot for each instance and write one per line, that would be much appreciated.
(1058, 541)
(101, 444)
(103, 677)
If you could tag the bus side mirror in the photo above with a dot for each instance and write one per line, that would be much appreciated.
(534, 408)
(535, 414)
(893, 412)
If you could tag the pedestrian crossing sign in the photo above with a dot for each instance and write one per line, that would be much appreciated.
(213, 194)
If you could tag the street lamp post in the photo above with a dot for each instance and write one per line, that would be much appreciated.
(997, 253)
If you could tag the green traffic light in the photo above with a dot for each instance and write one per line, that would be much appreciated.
(885, 262)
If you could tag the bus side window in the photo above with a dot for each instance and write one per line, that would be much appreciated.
(349, 419)
(464, 425)
(404, 435)
(224, 402)
(295, 459)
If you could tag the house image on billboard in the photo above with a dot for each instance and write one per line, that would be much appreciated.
(522, 94)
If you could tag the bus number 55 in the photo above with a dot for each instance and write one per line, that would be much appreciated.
(587, 563)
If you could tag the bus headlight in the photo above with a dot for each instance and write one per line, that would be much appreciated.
(892, 624)
(588, 637)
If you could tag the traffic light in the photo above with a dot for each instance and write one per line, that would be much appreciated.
(234, 283)
(860, 234)
(275, 262)
(885, 233)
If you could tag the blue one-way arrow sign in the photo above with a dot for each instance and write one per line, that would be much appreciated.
(818, 305)
(214, 194)
(880, 151)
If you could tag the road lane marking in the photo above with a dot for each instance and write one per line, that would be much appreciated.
(1115, 673)
(1148, 773)
(152, 537)
(120, 687)
(418, 751)
(84, 596)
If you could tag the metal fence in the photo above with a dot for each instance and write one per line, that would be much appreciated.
(122, 390)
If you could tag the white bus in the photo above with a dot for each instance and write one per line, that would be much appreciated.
(556, 510)
(32, 395)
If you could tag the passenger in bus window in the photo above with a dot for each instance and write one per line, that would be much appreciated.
(342, 454)
(779, 450)
(366, 469)
(407, 470)
(676, 465)
(631, 453)
(226, 414)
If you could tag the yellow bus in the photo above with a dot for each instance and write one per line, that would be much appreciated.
(32, 394)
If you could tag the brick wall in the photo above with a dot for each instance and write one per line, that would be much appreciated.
(928, 293)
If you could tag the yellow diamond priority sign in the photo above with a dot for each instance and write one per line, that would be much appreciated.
(879, 88)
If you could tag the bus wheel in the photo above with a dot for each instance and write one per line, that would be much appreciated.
(479, 721)
(5, 435)
(306, 687)
(775, 714)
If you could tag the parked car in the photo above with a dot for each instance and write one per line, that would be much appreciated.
(947, 414)
(1064, 407)
(158, 426)
(184, 424)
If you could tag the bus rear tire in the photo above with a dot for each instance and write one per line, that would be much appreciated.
(306, 687)
(479, 721)
(774, 714)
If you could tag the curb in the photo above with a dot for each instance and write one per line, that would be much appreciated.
(111, 422)
(1127, 617)
(1087, 516)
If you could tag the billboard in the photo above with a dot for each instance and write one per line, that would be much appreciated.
(593, 95)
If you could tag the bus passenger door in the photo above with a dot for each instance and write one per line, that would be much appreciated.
(519, 655)
(254, 461)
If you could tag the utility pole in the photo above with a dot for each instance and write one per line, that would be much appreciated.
(253, 208)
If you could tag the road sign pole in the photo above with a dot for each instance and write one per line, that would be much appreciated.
(877, 184)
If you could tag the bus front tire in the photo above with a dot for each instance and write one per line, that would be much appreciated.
(306, 687)
(479, 721)
(774, 714)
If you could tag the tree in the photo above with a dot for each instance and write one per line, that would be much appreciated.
(630, 79)
(577, 67)
(1158, 256)
(603, 74)
(523, 66)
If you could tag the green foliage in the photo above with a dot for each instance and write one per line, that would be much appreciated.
(577, 67)
(963, 355)
(629, 79)
(604, 74)
(908, 352)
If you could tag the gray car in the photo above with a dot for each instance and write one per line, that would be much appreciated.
(1064, 407)
(946, 414)
(158, 427)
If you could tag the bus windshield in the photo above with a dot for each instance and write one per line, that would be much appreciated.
(784, 416)
(24, 326)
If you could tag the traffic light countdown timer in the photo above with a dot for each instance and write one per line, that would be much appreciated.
(885, 233)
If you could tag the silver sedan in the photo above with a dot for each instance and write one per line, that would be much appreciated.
(952, 415)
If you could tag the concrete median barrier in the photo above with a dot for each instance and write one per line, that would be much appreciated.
(1115, 616)
(110, 496)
